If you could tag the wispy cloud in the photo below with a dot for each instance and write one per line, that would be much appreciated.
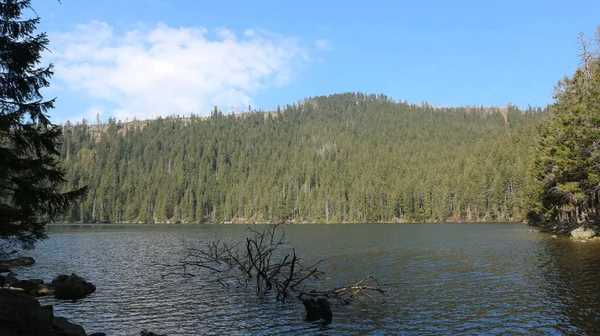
(160, 70)
(323, 44)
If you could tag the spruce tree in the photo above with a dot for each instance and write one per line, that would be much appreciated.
(568, 160)
(30, 177)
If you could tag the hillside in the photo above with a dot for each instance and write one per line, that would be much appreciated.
(342, 158)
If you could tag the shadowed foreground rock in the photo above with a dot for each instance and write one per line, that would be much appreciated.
(71, 287)
(34, 287)
(317, 309)
(21, 315)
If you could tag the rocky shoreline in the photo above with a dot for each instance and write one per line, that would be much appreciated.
(583, 231)
(21, 314)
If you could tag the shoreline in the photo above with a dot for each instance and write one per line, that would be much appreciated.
(276, 223)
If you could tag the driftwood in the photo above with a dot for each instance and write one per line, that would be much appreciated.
(345, 293)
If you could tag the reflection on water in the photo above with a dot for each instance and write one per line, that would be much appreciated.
(451, 279)
(571, 270)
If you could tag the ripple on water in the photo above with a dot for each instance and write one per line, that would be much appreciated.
(450, 279)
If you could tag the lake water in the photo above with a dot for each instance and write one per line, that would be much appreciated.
(454, 279)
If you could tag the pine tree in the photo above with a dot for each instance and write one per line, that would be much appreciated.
(30, 180)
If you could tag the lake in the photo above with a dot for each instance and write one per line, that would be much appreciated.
(452, 279)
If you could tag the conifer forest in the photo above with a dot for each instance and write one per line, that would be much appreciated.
(349, 157)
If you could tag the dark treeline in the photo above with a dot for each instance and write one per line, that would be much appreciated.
(343, 158)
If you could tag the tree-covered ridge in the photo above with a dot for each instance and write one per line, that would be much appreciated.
(342, 158)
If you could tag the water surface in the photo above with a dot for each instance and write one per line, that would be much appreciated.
(452, 279)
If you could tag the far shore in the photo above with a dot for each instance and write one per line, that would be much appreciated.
(272, 223)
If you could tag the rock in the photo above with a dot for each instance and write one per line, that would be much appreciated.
(23, 315)
(97, 334)
(71, 287)
(33, 287)
(24, 286)
(62, 327)
(10, 278)
(583, 232)
(150, 333)
(44, 290)
(317, 309)
(4, 269)
(22, 261)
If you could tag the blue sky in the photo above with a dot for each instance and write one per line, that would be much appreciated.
(144, 58)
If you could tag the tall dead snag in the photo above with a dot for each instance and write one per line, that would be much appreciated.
(269, 265)
(263, 261)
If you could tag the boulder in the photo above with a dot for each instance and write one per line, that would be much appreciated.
(62, 327)
(71, 287)
(44, 290)
(34, 287)
(22, 261)
(317, 309)
(10, 278)
(23, 315)
(583, 232)
(25, 286)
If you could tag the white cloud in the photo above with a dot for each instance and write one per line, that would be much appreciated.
(323, 44)
(160, 70)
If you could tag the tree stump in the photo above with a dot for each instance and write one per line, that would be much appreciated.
(317, 309)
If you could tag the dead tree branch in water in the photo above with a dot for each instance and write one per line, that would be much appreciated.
(345, 293)
(265, 262)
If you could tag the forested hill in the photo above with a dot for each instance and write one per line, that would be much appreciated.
(343, 158)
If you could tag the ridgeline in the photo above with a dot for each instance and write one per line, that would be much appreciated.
(342, 158)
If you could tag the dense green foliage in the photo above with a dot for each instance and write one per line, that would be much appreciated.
(342, 158)
(568, 160)
(30, 177)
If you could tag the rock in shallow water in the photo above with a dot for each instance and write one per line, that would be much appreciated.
(71, 287)
(150, 333)
(32, 287)
(25, 286)
(22, 261)
(583, 232)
